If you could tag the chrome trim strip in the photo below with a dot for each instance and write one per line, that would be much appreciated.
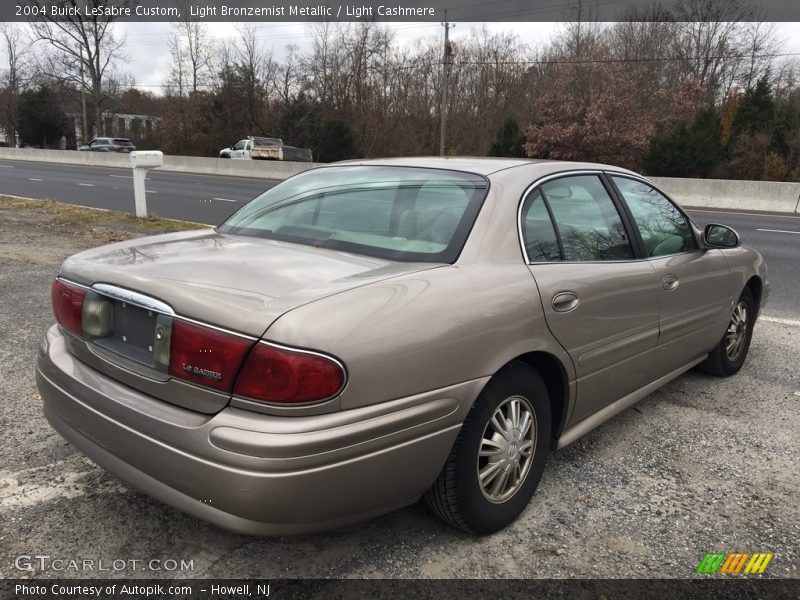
(299, 405)
(527, 192)
(75, 283)
(131, 297)
(672, 200)
(217, 328)
(148, 303)
(304, 351)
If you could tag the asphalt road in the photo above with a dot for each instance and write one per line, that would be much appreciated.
(187, 196)
(210, 199)
(777, 237)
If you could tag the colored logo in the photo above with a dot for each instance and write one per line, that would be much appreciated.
(733, 563)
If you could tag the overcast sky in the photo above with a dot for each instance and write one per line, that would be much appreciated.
(149, 60)
(149, 52)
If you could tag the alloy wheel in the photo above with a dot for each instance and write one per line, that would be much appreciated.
(737, 332)
(506, 449)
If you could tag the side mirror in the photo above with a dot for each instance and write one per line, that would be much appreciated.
(720, 236)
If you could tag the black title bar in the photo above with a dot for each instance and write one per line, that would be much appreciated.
(394, 10)
(732, 588)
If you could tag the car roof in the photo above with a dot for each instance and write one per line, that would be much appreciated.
(480, 165)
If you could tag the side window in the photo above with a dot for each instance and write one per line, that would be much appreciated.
(538, 233)
(663, 227)
(589, 225)
(240, 145)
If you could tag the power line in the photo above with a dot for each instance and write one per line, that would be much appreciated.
(571, 61)
(548, 61)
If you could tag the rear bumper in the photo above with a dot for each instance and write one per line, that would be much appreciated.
(248, 472)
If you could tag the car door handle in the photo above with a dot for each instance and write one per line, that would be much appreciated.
(565, 301)
(670, 282)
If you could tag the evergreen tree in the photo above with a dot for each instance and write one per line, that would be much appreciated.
(689, 151)
(509, 140)
(304, 124)
(756, 111)
(42, 123)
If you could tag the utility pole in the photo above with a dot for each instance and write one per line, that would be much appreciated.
(447, 57)
(83, 99)
(12, 135)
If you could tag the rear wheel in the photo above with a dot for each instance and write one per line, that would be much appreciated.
(729, 355)
(499, 455)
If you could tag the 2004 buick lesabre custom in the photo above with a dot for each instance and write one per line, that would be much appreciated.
(367, 333)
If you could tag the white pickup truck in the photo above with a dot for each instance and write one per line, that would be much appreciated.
(264, 148)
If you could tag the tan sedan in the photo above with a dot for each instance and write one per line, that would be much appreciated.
(368, 333)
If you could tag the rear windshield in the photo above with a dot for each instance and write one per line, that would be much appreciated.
(122, 142)
(397, 213)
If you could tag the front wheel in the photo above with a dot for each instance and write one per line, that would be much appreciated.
(499, 455)
(728, 357)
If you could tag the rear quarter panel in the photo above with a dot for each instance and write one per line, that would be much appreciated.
(423, 331)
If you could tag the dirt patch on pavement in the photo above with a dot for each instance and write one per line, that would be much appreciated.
(43, 230)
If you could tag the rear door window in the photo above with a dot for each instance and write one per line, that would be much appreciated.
(538, 232)
(588, 223)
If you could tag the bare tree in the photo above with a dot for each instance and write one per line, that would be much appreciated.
(192, 51)
(255, 66)
(14, 80)
(288, 74)
(722, 45)
(80, 43)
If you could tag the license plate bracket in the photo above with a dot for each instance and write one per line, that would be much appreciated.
(133, 333)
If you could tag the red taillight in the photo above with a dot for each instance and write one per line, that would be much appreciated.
(206, 356)
(68, 305)
(284, 376)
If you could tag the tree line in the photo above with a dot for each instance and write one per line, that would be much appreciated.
(699, 90)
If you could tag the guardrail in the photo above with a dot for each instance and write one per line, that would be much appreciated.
(770, 196)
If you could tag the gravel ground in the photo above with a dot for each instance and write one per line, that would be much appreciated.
(702, 465)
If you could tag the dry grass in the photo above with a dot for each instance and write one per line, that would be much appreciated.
(69, 217)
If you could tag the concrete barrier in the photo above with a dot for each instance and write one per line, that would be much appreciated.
(768, 196)
(67, 157)
(258, 169)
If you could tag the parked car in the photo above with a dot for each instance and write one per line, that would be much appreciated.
(264, 148)
(107, 144)
(368, 333)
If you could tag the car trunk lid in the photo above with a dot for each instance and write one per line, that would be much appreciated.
(241, 284)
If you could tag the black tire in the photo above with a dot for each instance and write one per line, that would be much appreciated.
(457, 496)
(719, 361)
